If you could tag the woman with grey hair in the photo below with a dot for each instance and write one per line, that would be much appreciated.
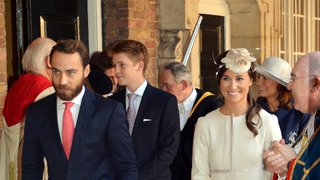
(275, 98)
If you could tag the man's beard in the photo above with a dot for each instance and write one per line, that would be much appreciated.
(67, 96)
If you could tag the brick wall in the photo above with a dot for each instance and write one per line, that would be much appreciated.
(134, 19)
(3, 61)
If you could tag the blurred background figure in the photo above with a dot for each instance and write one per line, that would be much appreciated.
(98, 82)
(100, 61)
(30, 87)
(228, 142)
(275, 98)
(193, 103)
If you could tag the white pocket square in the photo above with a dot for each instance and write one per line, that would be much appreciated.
(146, 120)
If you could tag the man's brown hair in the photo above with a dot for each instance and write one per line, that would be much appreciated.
(100, 61)
(135, 50)
(70, 46)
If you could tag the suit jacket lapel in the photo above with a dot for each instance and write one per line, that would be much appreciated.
(53, 123)
(85, 112)
(122, 99)
(143, 108)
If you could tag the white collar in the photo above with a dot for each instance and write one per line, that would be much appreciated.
(77, 100)
(188, 103)
(310, 125)
(140, 89)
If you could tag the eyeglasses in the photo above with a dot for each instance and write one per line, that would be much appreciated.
(293, 79)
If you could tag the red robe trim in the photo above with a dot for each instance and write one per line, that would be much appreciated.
(22, 93)
(275, 177)
(290, 169)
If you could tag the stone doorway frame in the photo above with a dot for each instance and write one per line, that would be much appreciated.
(253, 24)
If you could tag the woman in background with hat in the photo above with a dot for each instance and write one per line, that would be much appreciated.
(275, 98)
(229, 141)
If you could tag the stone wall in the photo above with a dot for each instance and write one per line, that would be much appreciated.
(245, 23)
(178, 19)
(134, 19)
(3, 62)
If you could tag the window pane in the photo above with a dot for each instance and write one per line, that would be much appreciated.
(317, 9)
(317, 35)
(302, 2)
(317, 25)
(301, 35)
(295, 33)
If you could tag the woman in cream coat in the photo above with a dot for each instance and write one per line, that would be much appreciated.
(229, 142)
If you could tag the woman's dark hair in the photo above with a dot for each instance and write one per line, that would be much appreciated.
(254, 108)
(284, 97)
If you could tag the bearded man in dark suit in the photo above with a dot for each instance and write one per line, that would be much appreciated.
(81, 134)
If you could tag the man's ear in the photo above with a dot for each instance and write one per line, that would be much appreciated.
(48, 62)
(86, 71)
(184, 84)
(315, 84)
(140, 66)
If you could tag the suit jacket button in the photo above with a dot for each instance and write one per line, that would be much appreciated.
(69, 171)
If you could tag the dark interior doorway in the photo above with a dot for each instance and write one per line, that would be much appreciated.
(56, 19)
(211, 43)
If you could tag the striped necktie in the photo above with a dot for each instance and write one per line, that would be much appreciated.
(131, 112)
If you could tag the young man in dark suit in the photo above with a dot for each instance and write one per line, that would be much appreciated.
(193, 103)
(81, 134)
(152, 116)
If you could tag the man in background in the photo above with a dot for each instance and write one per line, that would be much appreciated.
(100, 61)
(193, 103)
(29, 88)
(302, 161)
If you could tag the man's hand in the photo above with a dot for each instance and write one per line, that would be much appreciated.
(278, 157)
(286, 151)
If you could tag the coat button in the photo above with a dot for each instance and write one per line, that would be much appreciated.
(69, 171)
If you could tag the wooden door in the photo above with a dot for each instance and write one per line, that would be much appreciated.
(55, 19)
(211, 46)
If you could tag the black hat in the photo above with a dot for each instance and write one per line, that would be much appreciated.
(100, 82)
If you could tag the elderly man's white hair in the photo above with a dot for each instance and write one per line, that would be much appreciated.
(37, 53)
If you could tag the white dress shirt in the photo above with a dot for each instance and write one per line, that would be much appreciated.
(74, 110)
(138, 92)
(185, 108)
(310, 132)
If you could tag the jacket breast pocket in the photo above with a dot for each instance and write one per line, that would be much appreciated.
(150, 122)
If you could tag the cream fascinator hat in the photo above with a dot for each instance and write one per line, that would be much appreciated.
(276, 69)
(238, 60)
